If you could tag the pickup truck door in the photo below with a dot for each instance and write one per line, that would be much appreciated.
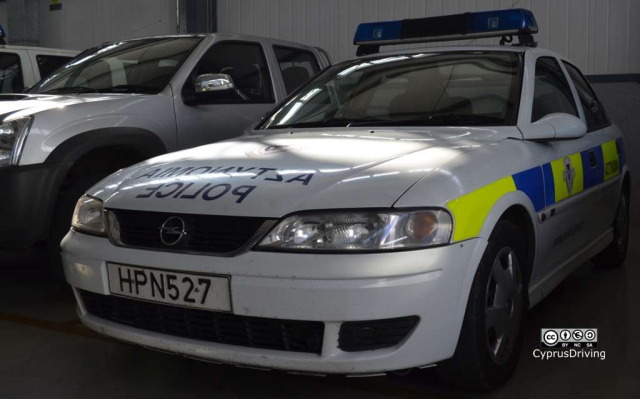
(296, 65)
(264, 72)
(227, 115)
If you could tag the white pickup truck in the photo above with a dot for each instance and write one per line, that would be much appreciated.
(121, 103)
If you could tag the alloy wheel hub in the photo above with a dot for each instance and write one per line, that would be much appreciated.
(503, 304)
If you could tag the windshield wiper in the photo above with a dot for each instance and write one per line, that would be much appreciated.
(446, 119)
(129, 89)
(70, 90)
(328, 122)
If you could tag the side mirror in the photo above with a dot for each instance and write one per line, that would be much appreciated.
(556, 126)
(213, 88)
(214, 82)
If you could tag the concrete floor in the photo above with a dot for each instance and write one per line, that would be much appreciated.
(46, 353)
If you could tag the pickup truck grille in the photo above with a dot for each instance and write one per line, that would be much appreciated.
(202, 233)
(204, 325)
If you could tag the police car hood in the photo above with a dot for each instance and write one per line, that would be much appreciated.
(275, 174)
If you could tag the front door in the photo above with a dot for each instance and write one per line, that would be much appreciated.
(227, 115)
(574, 211)
(604, 171)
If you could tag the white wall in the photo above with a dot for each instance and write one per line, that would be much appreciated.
(600, 36)
(85, 23)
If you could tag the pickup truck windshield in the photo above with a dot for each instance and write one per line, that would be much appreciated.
(479, 88)
(136, 66)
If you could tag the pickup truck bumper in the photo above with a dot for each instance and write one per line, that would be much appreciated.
(27, 197)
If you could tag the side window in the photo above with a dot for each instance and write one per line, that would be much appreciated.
(247, 66)
(297, 66)
(552, 92)
(47, 64)
(10, 73)
(593, 110)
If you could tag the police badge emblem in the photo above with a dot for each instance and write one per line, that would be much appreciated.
(568, 174)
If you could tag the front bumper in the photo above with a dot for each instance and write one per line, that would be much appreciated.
(27, 197)
(432, 284)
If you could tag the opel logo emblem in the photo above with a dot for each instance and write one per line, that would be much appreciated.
(172, 231)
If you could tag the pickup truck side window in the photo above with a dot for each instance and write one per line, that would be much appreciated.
(245, 63)
(552, 92)
(11, 80)
(297, 66)
(47, 64)
(593, 109)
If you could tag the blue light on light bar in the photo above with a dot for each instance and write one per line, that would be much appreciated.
(448, 27)
(490, 21)
(378, 31)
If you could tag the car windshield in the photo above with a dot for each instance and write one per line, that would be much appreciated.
(427, 89)
(137, 66)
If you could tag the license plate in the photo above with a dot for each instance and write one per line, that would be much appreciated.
(182, 289)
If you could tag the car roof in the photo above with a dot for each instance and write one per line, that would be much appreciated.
(39, 49)
(536, 51)
(228, 36)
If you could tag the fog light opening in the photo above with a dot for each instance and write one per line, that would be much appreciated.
(367, 333)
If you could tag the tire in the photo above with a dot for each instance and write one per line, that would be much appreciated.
(490, 341)
(61, 220)
(614, 255)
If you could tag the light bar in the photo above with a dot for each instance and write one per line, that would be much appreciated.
(471, 25)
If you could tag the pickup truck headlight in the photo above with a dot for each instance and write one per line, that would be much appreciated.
(88, 216)
(12, 137)
(360, 231)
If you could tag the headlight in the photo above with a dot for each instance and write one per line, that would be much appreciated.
(360, 231)
(12, 137)
(87, 217)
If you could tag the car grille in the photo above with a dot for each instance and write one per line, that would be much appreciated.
(358, 336)
(205, 233)
(203, 325)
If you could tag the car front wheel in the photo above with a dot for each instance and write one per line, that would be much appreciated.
(490, 340)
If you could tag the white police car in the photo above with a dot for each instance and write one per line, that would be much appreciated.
(401, 210)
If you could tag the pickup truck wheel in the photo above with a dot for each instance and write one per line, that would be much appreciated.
(61, 220)
(491, 339)
(614, 255)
